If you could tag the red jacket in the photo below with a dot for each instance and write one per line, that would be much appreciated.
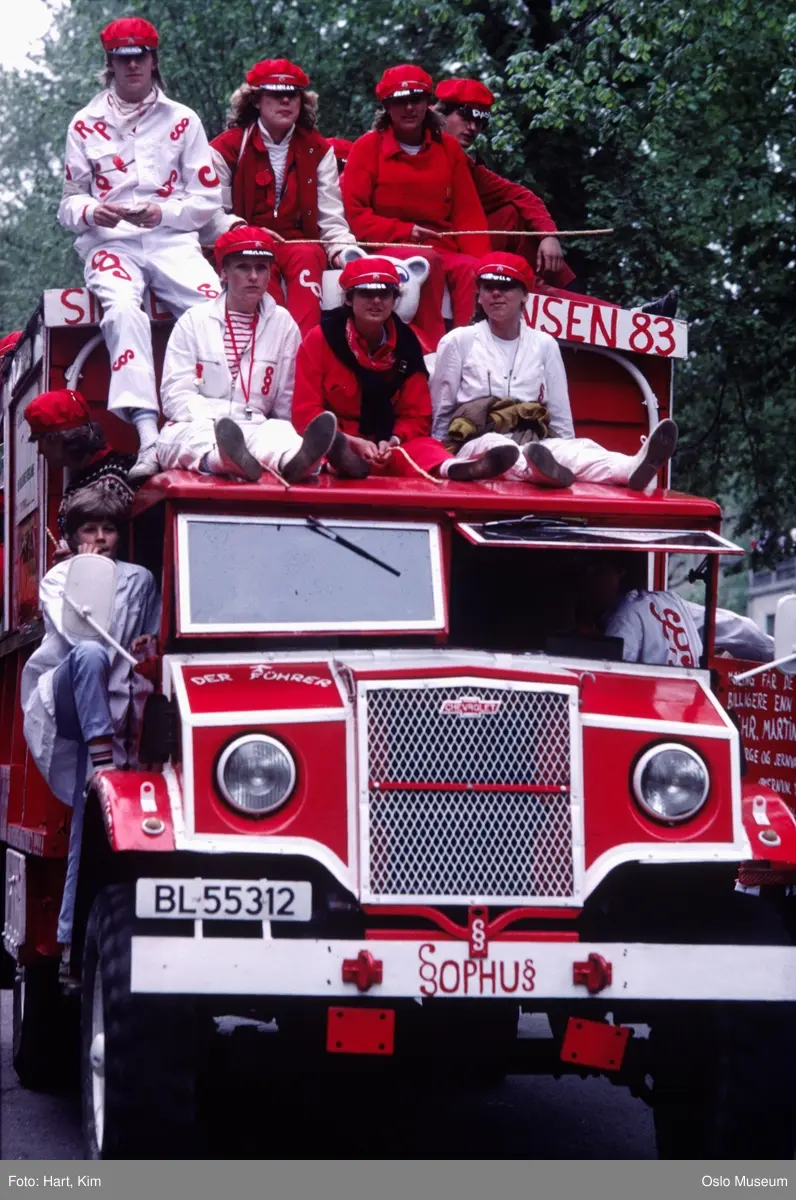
(253, 190)
(495, 193)
(387, 191)
(324, 383)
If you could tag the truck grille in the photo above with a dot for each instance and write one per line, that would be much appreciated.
(468, 793)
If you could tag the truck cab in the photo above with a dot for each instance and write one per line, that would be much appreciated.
(394, 786)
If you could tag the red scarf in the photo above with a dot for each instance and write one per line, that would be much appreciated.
(382, 359)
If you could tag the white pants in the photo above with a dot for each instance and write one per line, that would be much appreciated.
(183, 444)
(587, 460)
(117, 272)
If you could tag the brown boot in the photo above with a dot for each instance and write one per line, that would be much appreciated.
(315, 445)
(345, 461)
(543, 460)
(496, 461)
(231, 456)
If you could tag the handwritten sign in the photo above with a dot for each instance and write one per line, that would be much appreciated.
(765, 710)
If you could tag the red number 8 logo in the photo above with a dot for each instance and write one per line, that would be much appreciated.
(267, 381)
(103, 260)
(179, 129)
(127, 357)
(207, 290)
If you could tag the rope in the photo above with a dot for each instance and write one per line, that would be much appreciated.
(420, 471)
(559, 233)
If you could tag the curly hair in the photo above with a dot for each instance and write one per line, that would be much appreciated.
(79, 444)
(432, 122)
(243, 109)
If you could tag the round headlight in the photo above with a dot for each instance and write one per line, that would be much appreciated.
(256, 774)
(671, 782)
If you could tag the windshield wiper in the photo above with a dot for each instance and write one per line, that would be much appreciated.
(532, 521)
(314, 524)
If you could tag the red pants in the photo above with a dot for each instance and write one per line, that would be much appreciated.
(446, 266)
(302, 269)
(424, 452)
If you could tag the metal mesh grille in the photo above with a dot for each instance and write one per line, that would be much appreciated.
(427, 840)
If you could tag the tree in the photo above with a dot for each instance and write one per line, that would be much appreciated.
(672, 124)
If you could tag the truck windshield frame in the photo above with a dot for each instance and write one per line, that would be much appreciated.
(347, 590)
(537, 533)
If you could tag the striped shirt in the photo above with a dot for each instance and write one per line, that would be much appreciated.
(242, 329)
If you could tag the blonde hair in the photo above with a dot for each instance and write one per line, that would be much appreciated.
(243, 109)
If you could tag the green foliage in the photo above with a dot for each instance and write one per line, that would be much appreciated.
(674, 124)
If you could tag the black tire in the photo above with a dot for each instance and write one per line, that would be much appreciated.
(149, 1108)
(722, 1081)
(45, 1030)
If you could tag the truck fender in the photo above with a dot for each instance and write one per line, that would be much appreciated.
(136, 810)
(769, 823)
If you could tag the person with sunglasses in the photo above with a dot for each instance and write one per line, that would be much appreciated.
(278, 172)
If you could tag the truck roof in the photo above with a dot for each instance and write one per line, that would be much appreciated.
(660, 508)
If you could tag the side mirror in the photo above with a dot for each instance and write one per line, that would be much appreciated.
(89, 591)
(785, 634)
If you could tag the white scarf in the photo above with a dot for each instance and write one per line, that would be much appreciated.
(129, 112)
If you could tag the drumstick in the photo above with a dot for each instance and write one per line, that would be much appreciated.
(56, 544)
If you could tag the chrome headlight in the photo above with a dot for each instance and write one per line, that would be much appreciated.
(671, 782)
(256, 774)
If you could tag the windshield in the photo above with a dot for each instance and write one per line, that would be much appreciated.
(297, 575)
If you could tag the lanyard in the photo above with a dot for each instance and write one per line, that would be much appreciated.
(246, 388)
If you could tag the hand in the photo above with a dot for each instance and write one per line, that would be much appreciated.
(383, 452)
(143, 642)
(107, 216)
(549, 257)
(335, 262)
(61, 552)
(87, 549)
(365, 449)
(148, 218)
(422, 234)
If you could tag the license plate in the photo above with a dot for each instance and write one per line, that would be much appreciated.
(224, 899)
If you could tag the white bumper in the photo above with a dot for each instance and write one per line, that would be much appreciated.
(525, 971)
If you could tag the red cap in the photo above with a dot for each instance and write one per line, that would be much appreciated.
(56, 412)
(10, 342)
(277, 75)
(405, 80)
(375, 274)
(467, 93)
(505, 268)
(244, 239)
(129, 35)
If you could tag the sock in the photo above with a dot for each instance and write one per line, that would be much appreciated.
(101, 752)
(146, 423)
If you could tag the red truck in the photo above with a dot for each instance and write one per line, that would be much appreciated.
(392, 795)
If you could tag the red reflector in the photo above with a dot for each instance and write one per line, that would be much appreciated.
(595, 1044)
(360, 1031)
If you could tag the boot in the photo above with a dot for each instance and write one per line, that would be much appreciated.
(315, 445)
(496, 461)
(654, 454)
(146, 465)
(664, 306)
(543, 461)
(345, 462)
(231, 455)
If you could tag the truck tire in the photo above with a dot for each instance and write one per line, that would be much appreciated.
(45, 1030)
(138, 1052)
(722, 1081)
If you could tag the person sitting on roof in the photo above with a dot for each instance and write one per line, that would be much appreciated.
(277, 171)
(139, 184)
(76, 696)
(661, 628)
(366, 366)
(61, 427)
(408, 182)
(465, 107)
(500, 377)
(228, 377)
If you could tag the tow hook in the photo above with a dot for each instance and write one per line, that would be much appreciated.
(594, 974)
(364, 970)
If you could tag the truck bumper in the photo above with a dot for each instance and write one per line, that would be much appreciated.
(523, 970)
